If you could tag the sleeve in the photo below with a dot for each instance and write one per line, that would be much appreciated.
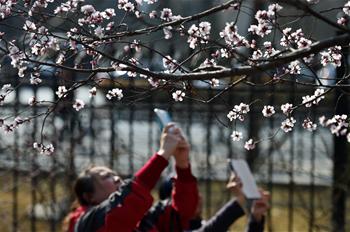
(125, 208)
(224, 218)
(185, 196)
(255, 226)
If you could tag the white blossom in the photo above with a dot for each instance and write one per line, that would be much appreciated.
(309, 125)
(32, 101)
(169, 63)
(342, 21)
(99, 32)
(178, 95)
(92, 92)
(236, 136)
(249, 145)
(166, 14)
(61, 91)
(294, 67)
(7, 88)
(287, 108)
(153, 14)
(78, 104)
(167, 32)
(87, 9)
(331, 56)
(288, 124)
(44, 149)
(338, 124)
(35, 79)
(116, 92)
(29, 26)
(346, 8)
(268, 111)
(238, 112)
(307, 100)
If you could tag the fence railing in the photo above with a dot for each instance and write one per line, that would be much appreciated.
(36, 190)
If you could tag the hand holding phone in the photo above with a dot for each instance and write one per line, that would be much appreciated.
(241, 169)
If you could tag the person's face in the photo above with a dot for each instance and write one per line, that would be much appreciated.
(105, 183)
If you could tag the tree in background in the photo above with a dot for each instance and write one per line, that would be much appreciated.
(104, 46)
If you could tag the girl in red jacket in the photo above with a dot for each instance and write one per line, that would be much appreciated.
(107, 203)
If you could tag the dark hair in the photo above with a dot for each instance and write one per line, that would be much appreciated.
(84, 184)
(165, 188)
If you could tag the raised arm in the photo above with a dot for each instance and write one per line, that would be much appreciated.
(185, 196)
(230, 212)
(126, 207)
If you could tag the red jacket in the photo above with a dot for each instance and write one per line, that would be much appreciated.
(174, 215)
(124, 209)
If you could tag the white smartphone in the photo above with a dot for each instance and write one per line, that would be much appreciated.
(241, 169)
(163, 116)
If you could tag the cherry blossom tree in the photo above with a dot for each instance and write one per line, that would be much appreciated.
(117, 40)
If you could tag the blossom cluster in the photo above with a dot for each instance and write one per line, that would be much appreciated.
(6, 8)
(288, 124)
(115, 93)
(231, 36)
(265, 19)
(178, 95)
(198, 34)
(313, 99)
(44, 149)
(238, 112)
(4, 91)
(338, 124)
(68, 6)
(293, 39)
(17, 59)
(309, 125)
(169, 63)
(331, 56)
(11, 126)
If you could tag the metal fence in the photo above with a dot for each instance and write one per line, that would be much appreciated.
(296, 167)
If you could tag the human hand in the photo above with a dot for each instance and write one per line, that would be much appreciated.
(236, 187)
(182, 151)
(260, 206)
(168, 141)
